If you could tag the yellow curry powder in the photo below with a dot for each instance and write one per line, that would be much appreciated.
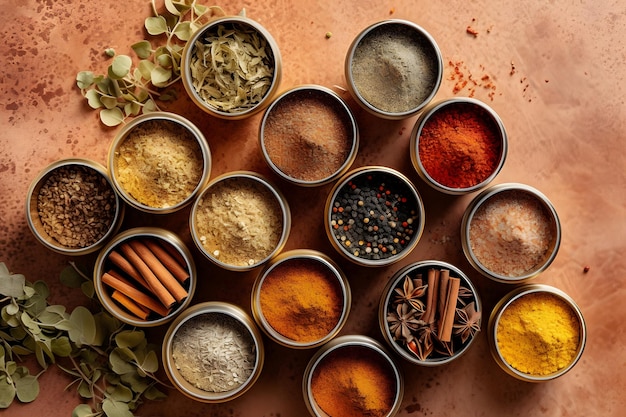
(538, 334)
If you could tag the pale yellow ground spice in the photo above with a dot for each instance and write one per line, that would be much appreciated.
(538, 334)
(159, 163)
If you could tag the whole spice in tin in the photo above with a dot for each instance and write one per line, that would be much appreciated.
(374, 216)
(214, 352)
(159, 163)
(239, 221)
(538, 334)
(76, 206)
(301, 299)
(511, 233)
(308, 135)
(394, 68)
(460, 145)
(354, 381)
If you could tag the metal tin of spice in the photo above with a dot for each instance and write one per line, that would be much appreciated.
(159, 161)
(416, 332)
(381, 377)
(458, 145)
(238, 94)
(240, 220)
(240, 346)
(309, 136)
(301, 299)
(374, 216)
(510, 233)
(115, 264)
(73, 201)
(393, 69)
(548, 337)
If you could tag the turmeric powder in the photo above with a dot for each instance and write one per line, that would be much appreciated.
(538, 334)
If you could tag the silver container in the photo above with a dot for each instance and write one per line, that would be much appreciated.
(169, 118)
(347, 342)
(329, 99)
(491, 118)
(212, 308)
(511, 298)
(273, 53)
(484, 198)
(436, 359)
(423, 43)
(33, 218)
(317, 258)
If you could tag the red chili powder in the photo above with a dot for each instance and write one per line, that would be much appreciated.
(460, 145)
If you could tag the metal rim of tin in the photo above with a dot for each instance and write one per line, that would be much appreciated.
(353, 127)
(380, 170)
(483, 197)
(211, 307)
(309, 254)
(361, 100)
(429, 111)
(188, 79)
(32, 216)
(169, 117)
(265, 183)
(138, 232)
(344, 342)
(386, 298)
(505, 302)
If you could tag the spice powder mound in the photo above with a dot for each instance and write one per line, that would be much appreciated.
(239, 221)
(214, 352)
(308, 135)
(511, 233)
(159, 163)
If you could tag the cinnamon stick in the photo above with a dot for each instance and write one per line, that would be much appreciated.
(444, 277)
(170, 262)
(126, 267)
(431, 295)
(157, 288)
(136, 309)
(445, 331)
(159, 270)
(136, 295)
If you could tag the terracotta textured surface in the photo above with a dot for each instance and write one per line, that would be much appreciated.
(554, 71)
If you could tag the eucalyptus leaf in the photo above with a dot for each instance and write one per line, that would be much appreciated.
(85, 79)
(143, 49)
(120, 66)
(84, 326)
(146, 67)
(93, 99)
(149, 106)
(183, 31)
(160, 76)
(61, 346)
(70, 276)
(120, 393)
(41, 288)
(109, 52)
(150, 363)
(21, 350)
(12, 308)
(12, 285)
(153, 393)
(164, 60)
(111, 117)
(169, 5)
(120, 360)
(84, 390)
(82, 410)
(130, 338)
(27, 388)
(156, 25)
(7, 393)
(88, 289)
(115, 408)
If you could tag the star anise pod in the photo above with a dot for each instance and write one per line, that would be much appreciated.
(423, 345)
(411, 292)
(403, 322)
(468, 322)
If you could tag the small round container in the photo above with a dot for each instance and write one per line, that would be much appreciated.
(510, 233)
(210, 95)
(374, 216)
(309, 136)
(560, 359)
(240, 221)
(112, 275)
(458, 145)
(403, 310)
(393, 69)
(72, 207)
(212, 328)
(158, 162)
(301, 299)
(327, 375)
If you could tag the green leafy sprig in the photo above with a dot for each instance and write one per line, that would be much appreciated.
(113, 368)
(127, 90)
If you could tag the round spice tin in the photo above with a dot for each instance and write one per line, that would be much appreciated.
(301, 299)
(355, 373)
(308, 136)
(393, 69)
(72, 207)
(158, 162)
(458, 145)
(430, 313)
(246, 97)
(374, 216)
(213, 352)
(553, 331)
(145, 276)
(240, 220)
(510, 233)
